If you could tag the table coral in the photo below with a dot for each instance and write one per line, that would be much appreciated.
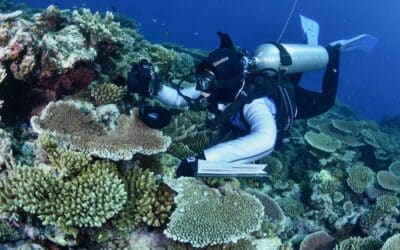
(80, 131)
(322, 142)
(206, 216)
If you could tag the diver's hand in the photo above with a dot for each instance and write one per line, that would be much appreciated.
(189, 166)
(142, 79)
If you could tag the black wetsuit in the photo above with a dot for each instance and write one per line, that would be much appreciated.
(311, 103)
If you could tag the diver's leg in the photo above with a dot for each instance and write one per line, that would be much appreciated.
(312, 103)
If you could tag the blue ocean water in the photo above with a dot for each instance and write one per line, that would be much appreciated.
(369, 82)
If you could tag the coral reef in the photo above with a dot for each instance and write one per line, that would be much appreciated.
(106, 93)
(79, 130)
(392, 243)
(88, 199)
(317, 241)
(206, 216)
(360, 178)
(389, 181)
(322, 142)
(355, 243)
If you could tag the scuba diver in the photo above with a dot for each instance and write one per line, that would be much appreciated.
(260, 95)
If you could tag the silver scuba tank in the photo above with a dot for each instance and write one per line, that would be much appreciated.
(303, 57)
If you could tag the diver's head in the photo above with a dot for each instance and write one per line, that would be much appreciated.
(221, 74)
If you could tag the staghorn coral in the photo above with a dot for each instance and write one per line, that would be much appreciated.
(65, 48)
(322, 142)
(392, 243)
(206, 216)
(388, 181)
(106, 93)
(387, 202)
(360, 178)
(357, 243)
(319, 240)
(179, 128)
(79, 130)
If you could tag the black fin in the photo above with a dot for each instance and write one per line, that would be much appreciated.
(226, 41)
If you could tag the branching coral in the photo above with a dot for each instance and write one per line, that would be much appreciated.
(387, 202)
(106, 93)
(206, 216)
(86, 200)
(80, 130)
(65, 162)
(360, 178)
(8, 233)
(357, 243)
(97, 28)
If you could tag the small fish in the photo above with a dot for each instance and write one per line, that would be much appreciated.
(196, 33)
(154, 20)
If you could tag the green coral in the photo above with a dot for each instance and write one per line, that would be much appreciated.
(198, 142)
(322, 142)
(88, 199)
(106, 93)
(65, 162)
(387, 202)
(358, 243)
(371, 218)
(180, 150)
(292, 207)
(360, 178)
(147, 202)
(206, 216)
(8, 233)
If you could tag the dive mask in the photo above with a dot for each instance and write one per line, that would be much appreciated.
(205, 80)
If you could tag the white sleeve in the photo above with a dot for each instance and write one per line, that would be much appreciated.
(170, 96)
(259, 114)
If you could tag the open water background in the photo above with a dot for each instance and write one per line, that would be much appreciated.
(369, 82)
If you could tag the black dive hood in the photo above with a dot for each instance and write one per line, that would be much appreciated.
(221, 74)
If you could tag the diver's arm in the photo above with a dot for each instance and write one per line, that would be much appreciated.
(310, 103)
(259, 114)
(170, 96)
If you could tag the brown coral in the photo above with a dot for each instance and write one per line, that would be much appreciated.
(79, 130)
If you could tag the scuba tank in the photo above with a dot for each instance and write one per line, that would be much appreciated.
(289, 58)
